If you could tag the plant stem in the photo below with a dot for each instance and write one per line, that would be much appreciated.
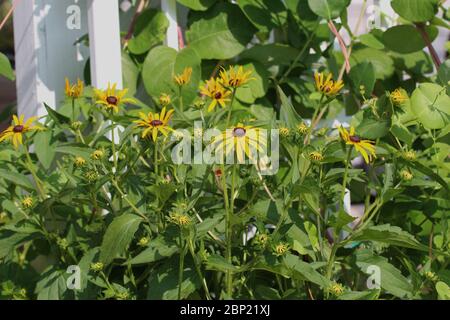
(180, 99)
(199, 272)
(33, 173)
(113, 147)
(155, 159)
(344, 181)
(423, 32)
(124, 196)
(331, 263)
(231, 108)
(227, 225)
(181, 265)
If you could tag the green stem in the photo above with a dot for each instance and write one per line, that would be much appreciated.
(180, 99)
(181, 265)
(227, 226)
(231, 108)
(33, 173)
(331, 264)
(155, 159)
(113, 145)
(124, 196)
(73, 110)
(199, 272)
(344, 181)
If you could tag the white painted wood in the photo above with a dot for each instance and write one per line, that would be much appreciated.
(170, 9)
(104, 40)
(45, 53)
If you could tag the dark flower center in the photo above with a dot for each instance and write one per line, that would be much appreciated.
(18, 128)
(218, 96)
(235, 82)
(112, 100)
(355, 139)
(239, 132)
(156, 123)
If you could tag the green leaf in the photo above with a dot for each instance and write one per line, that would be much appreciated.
(415, 10)
(255, 88)
(363, 74)
(45, 148)
(304, 271)
(150, 30)
(406, 38)
(16, 178)
(271, 54)
(389, 234)
(360, 295)
(287, 113)
(130, 73)
(74, 149)
(382, 63)
(328, 9)
(200, 5)
(443, 291)
(264, 14)
(5, 67)
(52, 285)
(162, 63)
(431, 105)
(372, 128)
(10, 240)
(372, 41)
(56, 116)
(118, 236)
(429, 172)
(157, 249)
(222, 32)
(217, 262)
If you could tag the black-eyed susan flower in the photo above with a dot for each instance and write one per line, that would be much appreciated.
(233, 78)
(74, 91)
(154, 123)
(336, 289)
(182, 220)
(111, 98)
(27, 202)
(18, 127)
(98, 154)
(406, 175)
(364, 147)
(409, 155)
(241, 140)
(327, 85)
(218, 94)
(79, 162)
(398, 97)
(315, 156)
(164, 100)
(281, 249)
(284, 132)
(302, 128)
(184, 77)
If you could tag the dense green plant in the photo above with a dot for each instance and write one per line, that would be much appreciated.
(92, 187)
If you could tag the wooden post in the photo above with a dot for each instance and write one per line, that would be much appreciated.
(169, 7)
(44, 34)
(104, 39)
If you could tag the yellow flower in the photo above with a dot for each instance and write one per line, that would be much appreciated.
(182, 220)
(97, 267)
(97, 154)
(164, 99)
(27, 202)
(233, 78)
(79, 162)
(17, 129)
(216, 92)
(409, 155)
(430, 275)
(302, 128)
(242, 140)
(154, 123)
(406, 175)
(315, 156)
(398, 97)
(364, 147)
(337, 289)
(74, 91)
(284, 132)
(111, 98)
(327, 85)
(143, 241)
(281, 248)
(183, 78)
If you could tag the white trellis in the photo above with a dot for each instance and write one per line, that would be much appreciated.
(45, 32)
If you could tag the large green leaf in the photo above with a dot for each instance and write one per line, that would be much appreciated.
(221, 33)
(363, 74)
(5, 67)
(158, 249)
(392, 279)
(271, 54)
(150, 30)
(389, 234)
(16, 178)
(305, 271)
(264, 14)
(406, 38)
(118, 236)
(431, 104)
(162, 63)
(10, 240)
(328, 9)
(382, 63)
(45, 147)
(200, 5)
(130, 73)
(52, 285)
(415, 10)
